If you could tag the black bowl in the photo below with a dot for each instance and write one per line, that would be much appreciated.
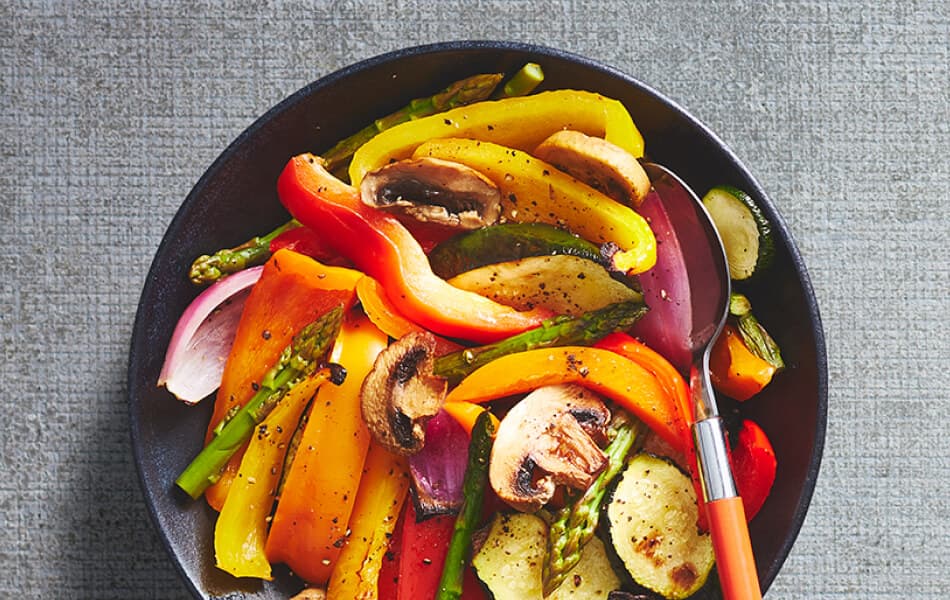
(235, 199)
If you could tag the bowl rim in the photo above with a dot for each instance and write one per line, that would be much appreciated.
(328, 80)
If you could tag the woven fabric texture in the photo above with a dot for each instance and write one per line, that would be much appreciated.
(109, 112)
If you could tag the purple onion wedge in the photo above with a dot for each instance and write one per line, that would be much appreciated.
(202, 340)
(439, 468)
(666, 326)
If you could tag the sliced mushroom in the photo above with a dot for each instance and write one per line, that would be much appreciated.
(401, 394)
(545, 441)
(434, 191)
(598, 163)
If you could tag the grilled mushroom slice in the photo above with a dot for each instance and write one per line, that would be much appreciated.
(401, 394)
(544, 441)
(598, 163)
(434, 191)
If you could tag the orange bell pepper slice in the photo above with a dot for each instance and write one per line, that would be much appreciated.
(321, 485)
(465, 414)
(734, 370)
(381, 311)
(293, 290)
(241, 528)
(380, 246)
(379, 501)
(651, 360)
(386, 316)
(622, 380)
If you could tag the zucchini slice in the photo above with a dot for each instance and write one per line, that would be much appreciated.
(651, 519)
(567, 285)
(501, 243)
(509, 563)
(746, 233)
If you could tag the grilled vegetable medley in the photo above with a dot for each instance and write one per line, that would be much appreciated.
(454, 372)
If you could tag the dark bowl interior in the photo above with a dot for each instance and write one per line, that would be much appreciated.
(235, 199)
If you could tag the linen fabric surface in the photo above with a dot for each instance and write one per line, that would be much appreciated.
(111, 112)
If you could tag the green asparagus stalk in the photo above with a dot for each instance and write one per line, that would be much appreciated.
(574, 525)
(473, 491)
(523, 82)
(299, 360)
(754, 335)
(562, 330)
(208, 268)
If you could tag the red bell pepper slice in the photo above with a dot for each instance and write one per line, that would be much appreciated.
(380, 246)
(304, 240)
(413, 565)
(754, 467)
(424, 545)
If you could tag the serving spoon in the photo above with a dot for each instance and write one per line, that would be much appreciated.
(708, 279)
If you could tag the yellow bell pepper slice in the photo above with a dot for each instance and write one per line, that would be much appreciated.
(534, 191)
(241, 529)
(520, 122)
(379, 500)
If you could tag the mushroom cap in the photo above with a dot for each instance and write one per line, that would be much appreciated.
(546, 440)
(401, 394)
(433, 190)
(600, 164)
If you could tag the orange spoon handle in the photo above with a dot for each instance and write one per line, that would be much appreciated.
(730, 537)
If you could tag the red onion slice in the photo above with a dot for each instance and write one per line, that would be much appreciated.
(666, 326)
(439, 468)
(202, 340)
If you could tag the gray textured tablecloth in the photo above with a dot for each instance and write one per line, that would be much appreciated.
(110, 113)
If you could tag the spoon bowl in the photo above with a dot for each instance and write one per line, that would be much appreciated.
(703, 255)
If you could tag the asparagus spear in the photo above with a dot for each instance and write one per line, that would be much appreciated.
(473, 491)
(754, 335)
(559, 331)
(574, 525)
(466, 91)
(208, 268)
(523, 82)
(256, 251)
(299, 360)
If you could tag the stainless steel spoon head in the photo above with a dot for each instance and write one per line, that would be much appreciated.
(703, 254)
(707, 272)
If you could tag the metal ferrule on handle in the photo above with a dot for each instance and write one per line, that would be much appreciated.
(714, 468)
